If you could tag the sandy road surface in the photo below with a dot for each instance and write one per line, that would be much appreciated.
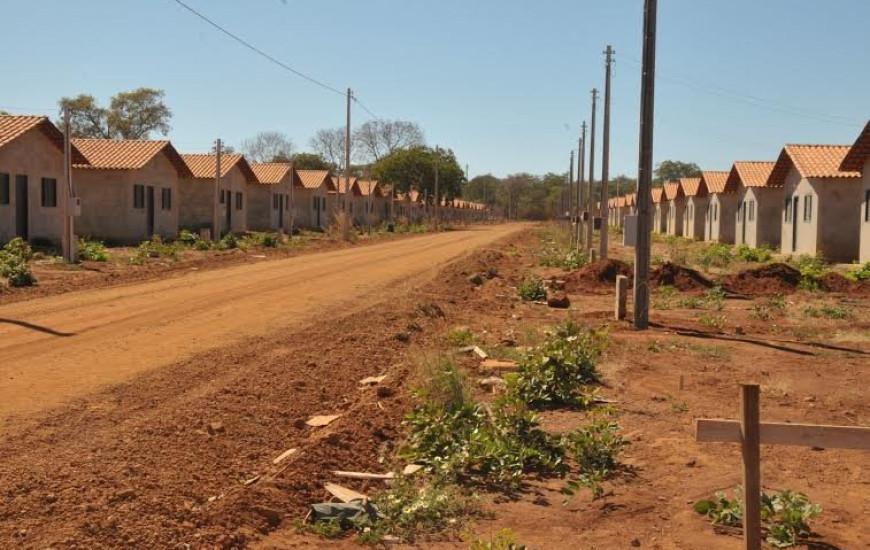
(57, 348)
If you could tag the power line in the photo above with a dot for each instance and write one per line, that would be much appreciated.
(753, 100)
(259, 51)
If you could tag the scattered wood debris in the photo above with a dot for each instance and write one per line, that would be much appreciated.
(283, 455)
(251, 481)
(498, 365)
(372, 380)
(412, 469)
(323, 420)
(473, 349)
(364, 475)
(343, 493)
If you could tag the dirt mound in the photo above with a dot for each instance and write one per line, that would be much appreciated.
(594, 276)
(834, 282)
(679, 277)
(776, 278)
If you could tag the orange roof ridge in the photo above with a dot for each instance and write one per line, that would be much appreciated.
(271, 173)
(127, 154)
(811, 161)
(203, 165)
(859, 152)
(14, 126)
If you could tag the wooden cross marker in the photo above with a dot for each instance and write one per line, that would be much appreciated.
(751, 433)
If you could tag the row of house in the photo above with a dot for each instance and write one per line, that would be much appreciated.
(813, 199)
(131, 190)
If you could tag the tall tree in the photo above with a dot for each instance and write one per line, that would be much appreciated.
(415, 167)
(377, 138)
(674, 169)
(481, 187)
(131, 115)
(268, 147)
(310, 161)
(329, 144)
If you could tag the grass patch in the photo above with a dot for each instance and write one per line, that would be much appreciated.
(532, 289)
(714, 255)
(828, 311)
(746, 253)
(460, 336)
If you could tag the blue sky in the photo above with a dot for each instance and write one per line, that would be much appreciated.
(505, 83)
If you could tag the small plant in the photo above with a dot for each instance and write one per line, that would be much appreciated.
(712, 321)
(690, 302)
(503, 540)
(664, 298)
(746, 253)
(92, 251)
(228, 242)
(766, 310)
(860, 273)
(811, 268)
(460, 336)
(262, 240)
(13, 263)
(596, 449)
(714, 297)
(714, 255)
(828, 311)
(532, 289)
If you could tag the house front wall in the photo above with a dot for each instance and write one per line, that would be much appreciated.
(864, 255)
(311, 208)
(799, 235)
(674, 218)
(269, 206)
(109, 211)
(197, 205)
(720, 218)
(33, 156)
(694, 217)
(758, 216)
(660, 218)
(838, 211)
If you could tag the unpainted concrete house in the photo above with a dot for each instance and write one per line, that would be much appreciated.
(675, 202)
(128, 189)
(269, 200)
(697, 199)
(721, 207)
(373, 205)
(198, 200)
(821, 208)
(338, 195)
(758, 209)
(32, 178)
(858, 158)
(311, 189)
(659, 210)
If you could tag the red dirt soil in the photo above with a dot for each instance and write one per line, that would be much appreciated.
(679, 277)
(597, 276)
(834, 282)
(775, 278)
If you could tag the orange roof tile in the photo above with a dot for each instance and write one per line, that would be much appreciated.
(414, 195)
(859, 153)
(749, 173)
(204, 165)
(672, 190)
(811, 161)
(340, 184)
(631, 199)
(313, 179)
(14, 126)
(714, 180)
(693, 187)
(127, 154)
(271, 173)
(370, 187)
(657, 194)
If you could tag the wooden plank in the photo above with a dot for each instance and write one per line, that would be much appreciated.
(343, 493)
(776, 433)
(372, 380)
(496, 365)
(411, 469)
(363, 475)
(319, 421)
(283, 455)
(751, 446)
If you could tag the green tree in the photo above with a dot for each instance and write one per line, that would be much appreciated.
(310, 161)
(668, 170)
(415, 167)
(131, 115)
(480, 188)
(2, 112)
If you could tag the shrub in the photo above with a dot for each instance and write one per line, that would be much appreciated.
(19, 248)
(714, 255)
(532, 289)
(811, 268)
(765, 310)
(503, 540)
(460, 336)
(13, 263)
(746, 253)
(829, 311)
(228, 242)
(263, 240)
(154, 248)
(860, 273)
(596, 449)
(712, 321)
(92, 251)
(714, 297)
(557, 372)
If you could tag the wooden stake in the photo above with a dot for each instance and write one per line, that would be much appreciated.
(622, 299)
(749, 427)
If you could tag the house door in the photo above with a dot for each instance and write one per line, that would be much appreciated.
(317, 207)
(280, 211)
(794, 223)
(22, 200)
(743, 222)
(149, 211)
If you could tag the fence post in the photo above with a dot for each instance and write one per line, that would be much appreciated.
(750, 429)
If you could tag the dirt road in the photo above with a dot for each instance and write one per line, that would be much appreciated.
(58, 348)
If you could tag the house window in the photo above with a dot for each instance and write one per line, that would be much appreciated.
(238, 200)
(138, 196)
(751, 211)
(716, 212)
(867, 205)
(166, 198)
(808, 208)
(788, 210)
(49, 192)
(4, 188)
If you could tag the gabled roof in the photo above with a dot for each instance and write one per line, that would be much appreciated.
(859, 152)
(271, 173)
(127, 154)
(204, 165)
(714, 180)
(631, 199)
(620, 202)
(811, 161)
(672, 190)
(313, 179)
(414, 195)
(749, 173)
(340, 184)
(657, 194)
(370, 187)
(14, 126)
(693, 187)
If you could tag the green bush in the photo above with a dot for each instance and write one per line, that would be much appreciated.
(262, 240)
(811, 268)
(13, 263)
(596, 449)
(503, 540)
(19, 248)
(532, 289)
(460, 336)
(746, 253)
(92, 251)
(860, 273)
(714, 255)
(154, 248)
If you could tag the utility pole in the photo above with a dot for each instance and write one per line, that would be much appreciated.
(605, 163)
(644, 168)
(589, 196)
(68, 242)
(581, 177)
(216, 222)
(346, 224)
(292, 199)
(571, 199)
(437, 210)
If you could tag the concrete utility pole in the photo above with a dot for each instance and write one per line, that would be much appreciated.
(216, 222)
(644, 168)
(589, 196)
(68, 240)
(437, 210)
(581, 177)
(346, 224)
(292, 200)
(605, 163)
(571, 199)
